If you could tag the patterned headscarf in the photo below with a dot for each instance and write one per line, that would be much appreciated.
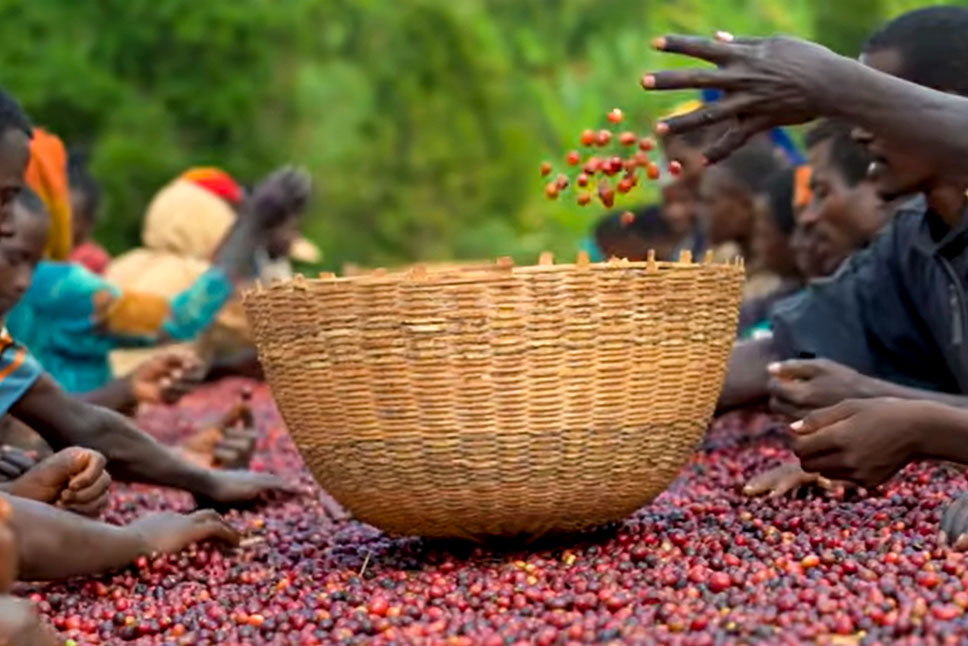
(46, 175)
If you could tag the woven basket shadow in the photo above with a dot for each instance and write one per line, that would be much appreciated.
(498, 400)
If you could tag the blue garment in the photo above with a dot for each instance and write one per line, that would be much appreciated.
(71, 319)
(780, 138)
(18, 372)
(896, 310)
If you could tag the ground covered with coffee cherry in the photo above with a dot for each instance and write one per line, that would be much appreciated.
(702, 565)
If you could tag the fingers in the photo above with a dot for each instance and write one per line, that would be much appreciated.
(820, 419)
(91, 465)
(711, 113)
(18, 458)
(91, 509)
(954, 521)
(705, 48)
(776, 482)
(687, 79)
(9, 471)
(784, 407)
(795, 369)
(208, 525)
(97, 489)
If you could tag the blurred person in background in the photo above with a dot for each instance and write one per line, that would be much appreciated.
(727, 209)
(71, 318)
(85, 202)
(774, 225)
(183, 228)
(615, 236)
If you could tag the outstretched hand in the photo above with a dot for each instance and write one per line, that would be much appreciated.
(235, 488)
(787, 478)
(166, 378)
(768, 82)
(168, 532)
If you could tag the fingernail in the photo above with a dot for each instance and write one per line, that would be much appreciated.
(648, 81)
(797, 425)
(659, 42)
(724, 36)
(773, 368)
(704, 160)
(747, 490)
(662, 128)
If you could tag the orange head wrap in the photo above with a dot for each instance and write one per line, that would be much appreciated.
(46, 175)
(215, 180)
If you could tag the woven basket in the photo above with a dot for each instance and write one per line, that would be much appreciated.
(498, 401)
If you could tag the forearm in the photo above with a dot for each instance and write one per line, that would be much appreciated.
(943, 434)
(115, 395)
(880, 388)
(895, 108)
(235, 255)
(746, 374)
(55, 544)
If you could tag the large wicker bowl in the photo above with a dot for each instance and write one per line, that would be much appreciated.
(498, 401)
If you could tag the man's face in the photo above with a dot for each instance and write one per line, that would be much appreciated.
(839, 218)
(14, 155)
(679, 207)
(894, 171)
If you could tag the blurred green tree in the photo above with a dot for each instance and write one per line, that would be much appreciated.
(423, 121)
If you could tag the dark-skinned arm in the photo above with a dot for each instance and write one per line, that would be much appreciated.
(116, 395)
(55, 544)
(746, 374)
(132, 454)
(785, 81)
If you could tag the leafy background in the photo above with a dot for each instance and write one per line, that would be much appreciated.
(422, 121)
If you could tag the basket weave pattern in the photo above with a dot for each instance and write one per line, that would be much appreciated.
(498, 401)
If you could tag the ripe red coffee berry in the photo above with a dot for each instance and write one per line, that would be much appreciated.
(573, 158)
(551, 191)
(646, 144)
(582, 179)
(587, 137)
(606, 194)
(624, 185)
(675, 168)
(627, 218)
(627, 138)
(604, 137)
(652, 171)
(592, 166)
(615, 116)
(545, 169)
(561, 182)
(583, 199)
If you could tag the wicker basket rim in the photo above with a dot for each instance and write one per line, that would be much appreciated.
(419, 274)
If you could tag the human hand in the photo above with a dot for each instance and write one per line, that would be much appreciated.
(786, 478)
(14, 463)
(283, 193)
(20, 625)
(74, 479)
(768, 82)
(165, 378)
(233, 488)
(862, 441)
(168, 532)
(798, 387)
(954, 524)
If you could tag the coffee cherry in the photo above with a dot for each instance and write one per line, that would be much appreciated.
(606, 194)
(624, 185)
(615, 116)
(627, 138)
(592, 166)
(545, 169)
(646, 144)
(675, 168)
(603, 138)
(561, 181)
(627, 218)
(583, 198)
(582, 179)
(652, 171)
(572, 158)
(551, 190)
(587, 137)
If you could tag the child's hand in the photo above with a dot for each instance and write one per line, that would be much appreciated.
(863, 441)
(786, 478)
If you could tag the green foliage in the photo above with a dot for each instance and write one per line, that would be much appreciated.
(423, 121)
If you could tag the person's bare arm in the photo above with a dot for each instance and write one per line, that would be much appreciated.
(784, 81)
(117, 395)
(746, 374)
(132, 454)
(55, 544)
